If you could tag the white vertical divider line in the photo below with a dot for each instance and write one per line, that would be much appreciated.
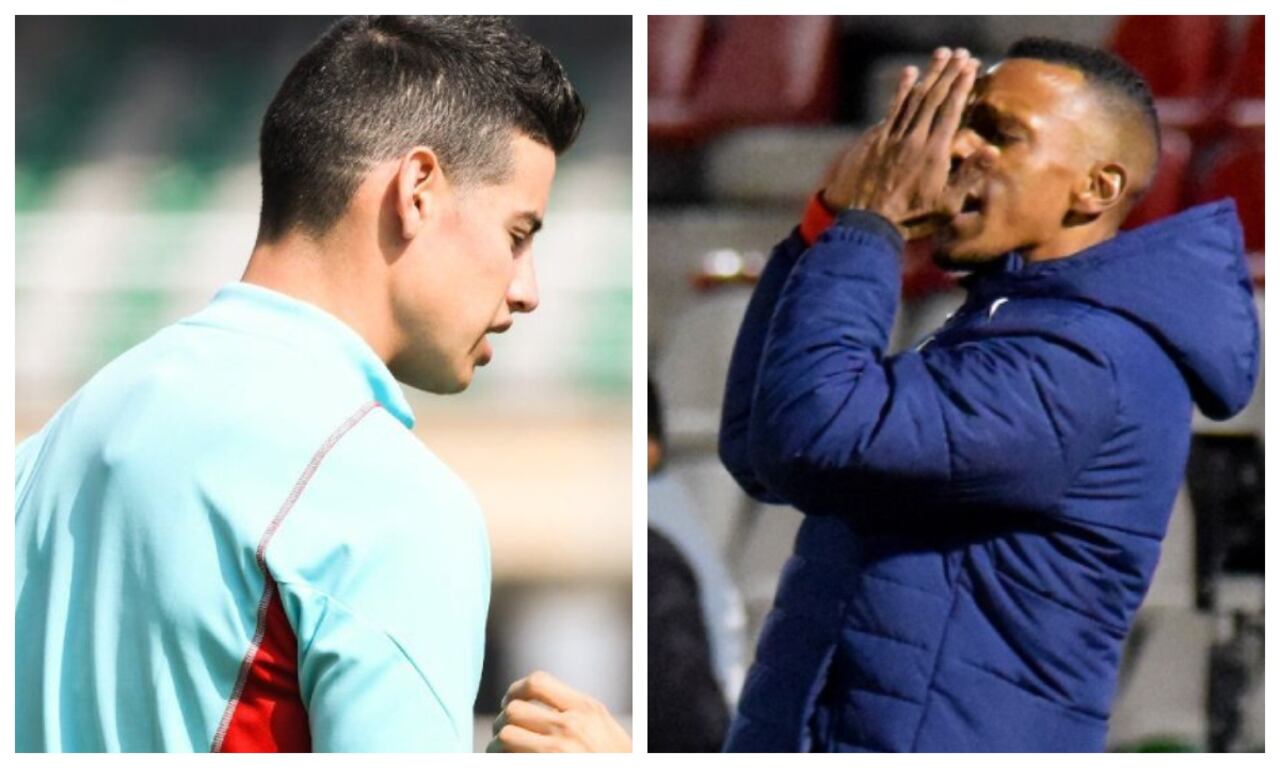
(639, 389)
(9, 386)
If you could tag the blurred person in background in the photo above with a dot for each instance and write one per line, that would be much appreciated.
(696, 615)
(983, 513)
(229, 539)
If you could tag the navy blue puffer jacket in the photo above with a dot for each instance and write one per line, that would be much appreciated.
(984, 514)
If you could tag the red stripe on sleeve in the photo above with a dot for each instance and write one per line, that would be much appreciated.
(265, 711)
(269, 715)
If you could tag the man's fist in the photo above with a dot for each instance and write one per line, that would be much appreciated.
(900, 167)
(542, 714)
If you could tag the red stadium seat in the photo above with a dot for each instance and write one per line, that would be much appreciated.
(1238, 173)
(758, 70)
(1245, 90)
(1168, 189)
(675, 44)
(1182, 58)
(1247, 79)
(1235, 106)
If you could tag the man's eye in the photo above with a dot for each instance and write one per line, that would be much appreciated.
(518, 240)
(989, 127)
(994, 135)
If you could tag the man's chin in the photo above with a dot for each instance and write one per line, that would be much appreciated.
(436, 382)
(454, 387)
(961, 262)
(459, 382)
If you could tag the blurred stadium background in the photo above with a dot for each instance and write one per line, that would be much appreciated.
(137, 197)
(746, 114)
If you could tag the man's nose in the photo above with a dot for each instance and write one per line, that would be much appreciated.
(522, 294)
(965, 143)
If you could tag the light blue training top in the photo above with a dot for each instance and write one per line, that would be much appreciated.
(260, 435)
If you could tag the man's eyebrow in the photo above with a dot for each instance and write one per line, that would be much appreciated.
(993, 112)
(530, 219)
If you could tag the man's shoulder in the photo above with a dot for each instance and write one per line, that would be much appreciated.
(1118, 339)
(1052, 332)
(1061, 321)
(374, 481)
(243, 381)
(377, 502)
(380, 452)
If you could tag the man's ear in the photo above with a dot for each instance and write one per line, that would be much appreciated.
(1100, 191)
(419, 184)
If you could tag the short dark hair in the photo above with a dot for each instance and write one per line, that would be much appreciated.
(1104, 70)
(375, 86)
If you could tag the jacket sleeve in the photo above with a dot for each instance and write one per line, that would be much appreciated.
(740, 385)
(1002, 422)
(383, 568)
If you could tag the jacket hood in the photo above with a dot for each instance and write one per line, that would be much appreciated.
(1183, 279)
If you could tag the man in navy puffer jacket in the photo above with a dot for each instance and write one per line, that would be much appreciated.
(984, 513)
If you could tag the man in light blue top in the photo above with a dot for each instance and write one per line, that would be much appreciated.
(229, 539)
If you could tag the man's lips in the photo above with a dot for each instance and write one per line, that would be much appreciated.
(973, 205)
(484, 350)
(966, 222)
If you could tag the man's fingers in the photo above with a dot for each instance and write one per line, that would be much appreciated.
(923, 226)
(541, 686)
(957, 98)
(513, 738)
(542, 714)
(915, 97)
(905, 172)
(905, 81)
(942, 88)
(939, 121)
(920, 90)
(527, 715)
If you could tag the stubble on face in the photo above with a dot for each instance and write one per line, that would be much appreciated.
(468, 276)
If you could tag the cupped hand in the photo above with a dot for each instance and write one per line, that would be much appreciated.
(901, 167)
(543, 714)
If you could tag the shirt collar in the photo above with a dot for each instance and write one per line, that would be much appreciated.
(262, 311)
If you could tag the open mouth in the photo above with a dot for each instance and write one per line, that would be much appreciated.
(967, 221)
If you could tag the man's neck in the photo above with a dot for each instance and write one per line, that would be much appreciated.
(328, 275)
(1071, 241)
